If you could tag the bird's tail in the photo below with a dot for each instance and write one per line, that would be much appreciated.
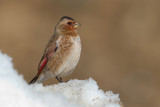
(34, 80)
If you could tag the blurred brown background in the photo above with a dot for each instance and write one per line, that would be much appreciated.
(120, 42)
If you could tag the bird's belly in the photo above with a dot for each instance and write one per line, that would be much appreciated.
(70, 60)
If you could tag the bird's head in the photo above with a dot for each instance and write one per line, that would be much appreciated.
(67, 26)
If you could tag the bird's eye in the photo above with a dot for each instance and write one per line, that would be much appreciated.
(69, 23)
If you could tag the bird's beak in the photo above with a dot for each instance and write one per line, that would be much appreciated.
(76, 25)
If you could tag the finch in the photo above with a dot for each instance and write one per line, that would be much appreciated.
(62, 52)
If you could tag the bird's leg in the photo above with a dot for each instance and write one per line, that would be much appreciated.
(67, 81)
(59, 79)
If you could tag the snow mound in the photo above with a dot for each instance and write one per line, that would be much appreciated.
(15, 91)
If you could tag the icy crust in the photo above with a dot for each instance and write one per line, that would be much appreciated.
(15, 92)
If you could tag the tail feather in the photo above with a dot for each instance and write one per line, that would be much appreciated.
(34, 80)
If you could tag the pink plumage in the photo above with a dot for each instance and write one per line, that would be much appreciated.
(62, 52)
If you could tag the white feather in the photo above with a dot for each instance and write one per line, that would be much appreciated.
(72, 59)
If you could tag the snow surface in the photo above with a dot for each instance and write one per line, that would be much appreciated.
(15, 91)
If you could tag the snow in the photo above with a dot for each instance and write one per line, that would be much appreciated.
(15, 91)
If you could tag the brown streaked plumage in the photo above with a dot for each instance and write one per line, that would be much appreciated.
(62, 52)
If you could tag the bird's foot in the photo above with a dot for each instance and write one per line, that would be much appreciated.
(59, 79)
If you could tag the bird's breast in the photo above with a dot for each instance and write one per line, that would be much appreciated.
(71, 49)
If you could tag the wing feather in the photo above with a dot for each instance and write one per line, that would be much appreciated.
(49, 52)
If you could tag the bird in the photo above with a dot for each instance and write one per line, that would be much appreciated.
(62, 52)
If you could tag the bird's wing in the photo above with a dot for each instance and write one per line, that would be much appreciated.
(49, 52)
